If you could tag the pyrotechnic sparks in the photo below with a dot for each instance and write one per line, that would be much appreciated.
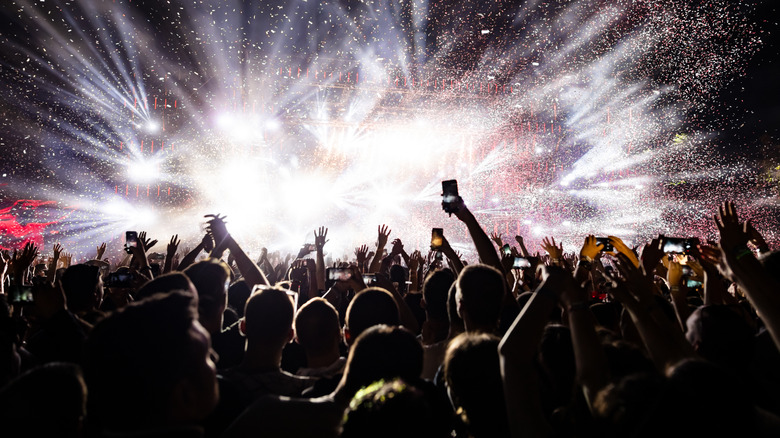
(557, 118)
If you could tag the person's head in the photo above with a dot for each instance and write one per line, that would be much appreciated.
(435, 291)
(480, 292)
(382, 352)
(391, 409)
(456, 322)
(369, 307)
(48, 400)
(721, 334)
(165, 283)
(473, 377)
(238, 293)
(399, 275)
(149, 365)
(211, 278)
(268, 318)
(83, 287)
(317, 327)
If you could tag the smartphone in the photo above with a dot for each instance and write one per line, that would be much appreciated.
(131, 241)
(449, 195)
(677, 245)
(692, 283)
(120, 279)
(20, 294)
(369, 279)
(521, 263)
(339, 274)
(506, 250)
(437, 238)
(607, 244)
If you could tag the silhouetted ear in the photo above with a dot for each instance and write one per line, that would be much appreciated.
(290, 336)
(347, 336)
(242, 326)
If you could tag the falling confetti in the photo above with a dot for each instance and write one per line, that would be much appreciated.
(556, 118)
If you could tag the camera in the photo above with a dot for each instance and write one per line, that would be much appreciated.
(131, 241)
(339, 274)
(607, 244)
(20, 294)
(678, 245)
(120, 279)
(437, 238)
(369, 279)
(521, 263)
(449, 196)
(506, 250)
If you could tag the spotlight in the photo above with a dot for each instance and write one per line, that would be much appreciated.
(143, 171)
(151, 126)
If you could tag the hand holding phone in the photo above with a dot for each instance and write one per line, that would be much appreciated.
(449, 196)
(339, 274)
(131, 241)
(607, 244)
(437, 238)
(521, 263)
(506, 250)
(677, 245)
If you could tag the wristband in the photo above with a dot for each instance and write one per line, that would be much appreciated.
(586, 259)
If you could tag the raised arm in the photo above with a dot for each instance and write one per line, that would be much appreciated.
(206, 244)
(487, 253)
(452, 256)
(383, 233)
(662, 337)
(743, 267)
(320, 239)
(222, 239)
(51, 272)
(170, 253)
(517, 352)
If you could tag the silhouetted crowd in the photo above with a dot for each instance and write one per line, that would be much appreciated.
(675, 337)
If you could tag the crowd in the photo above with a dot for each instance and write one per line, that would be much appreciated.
(602, 341)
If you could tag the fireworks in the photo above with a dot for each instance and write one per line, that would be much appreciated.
(556, 119)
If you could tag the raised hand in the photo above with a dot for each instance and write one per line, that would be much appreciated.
(100, 251)
(56, 250)
(415, 261)
(170, 253)
(383, 235)
(622, 248)
(652, 253)
(733, 235)
(173, 245)
(398, 247)
(496, 237)
(21, 261)
(361, 253)
(145, 242)
(590, 248)
(755, 237)
(216, 227)
(523, 250)
(555, 251)
(207, 242)
(320, 238)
